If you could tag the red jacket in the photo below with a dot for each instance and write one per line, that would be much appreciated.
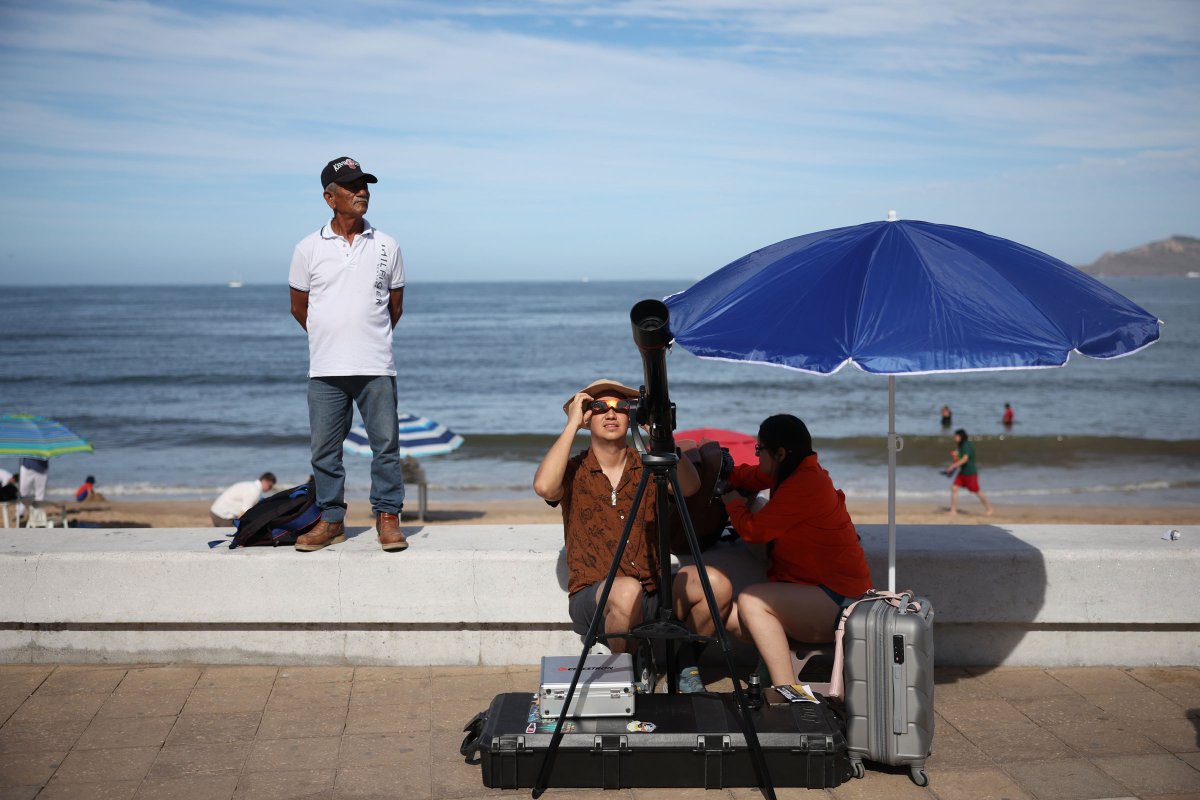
(814, 540)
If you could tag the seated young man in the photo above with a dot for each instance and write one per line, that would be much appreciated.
(595, 489)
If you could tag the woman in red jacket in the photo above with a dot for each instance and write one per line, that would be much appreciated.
(816, 565)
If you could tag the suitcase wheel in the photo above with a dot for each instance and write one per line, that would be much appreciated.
(918, 776)
(857, 769)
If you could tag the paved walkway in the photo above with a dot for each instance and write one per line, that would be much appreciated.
(185, 731)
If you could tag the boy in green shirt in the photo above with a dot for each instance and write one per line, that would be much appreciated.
(963, 457)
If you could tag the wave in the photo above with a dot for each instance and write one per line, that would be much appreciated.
(1034, 493)
(221, 381)
(1056, 451)
(147, 490)
(1003, 449)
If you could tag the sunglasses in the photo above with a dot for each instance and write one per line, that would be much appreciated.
(603, 406)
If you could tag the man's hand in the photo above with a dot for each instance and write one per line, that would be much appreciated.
(577, 417)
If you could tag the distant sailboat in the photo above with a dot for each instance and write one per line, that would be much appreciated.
(236, 283)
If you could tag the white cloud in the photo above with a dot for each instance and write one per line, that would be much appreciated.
(776, 107)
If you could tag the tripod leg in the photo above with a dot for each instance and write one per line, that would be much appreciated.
(543, 777)
(666, 591)
(748, 730)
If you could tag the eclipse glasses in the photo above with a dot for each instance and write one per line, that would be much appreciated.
(603, 406)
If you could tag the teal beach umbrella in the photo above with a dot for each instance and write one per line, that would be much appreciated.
(38, 437)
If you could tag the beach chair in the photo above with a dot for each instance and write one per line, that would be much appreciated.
(37, 516)
(414, 475)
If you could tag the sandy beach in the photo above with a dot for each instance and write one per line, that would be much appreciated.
(194, 513)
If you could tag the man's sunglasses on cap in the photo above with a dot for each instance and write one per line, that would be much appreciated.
(603, 405)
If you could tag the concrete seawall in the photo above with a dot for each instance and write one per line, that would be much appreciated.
(1046, 595)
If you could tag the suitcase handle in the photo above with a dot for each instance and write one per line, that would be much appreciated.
(901, 600)
(470, 748)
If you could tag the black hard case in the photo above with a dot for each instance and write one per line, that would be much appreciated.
(696, 742)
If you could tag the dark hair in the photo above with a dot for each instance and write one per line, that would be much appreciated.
(268, 476)
(790, 433)
(90, 479)
(962, 433)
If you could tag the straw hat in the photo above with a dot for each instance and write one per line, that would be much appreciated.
(603, 385)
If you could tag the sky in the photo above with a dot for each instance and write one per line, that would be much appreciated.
(154, 142)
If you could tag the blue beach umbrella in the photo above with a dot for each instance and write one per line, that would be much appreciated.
(419, 436)
(905, 298)
(37, 437)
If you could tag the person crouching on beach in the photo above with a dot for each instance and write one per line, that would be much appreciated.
(595, 489)
(963, 459)
(238, 499)
(817, 566)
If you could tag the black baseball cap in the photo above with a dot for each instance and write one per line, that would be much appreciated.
(344, 169)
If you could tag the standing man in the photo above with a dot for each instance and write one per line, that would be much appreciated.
(33, 477)
(968, 472)
(347, 289)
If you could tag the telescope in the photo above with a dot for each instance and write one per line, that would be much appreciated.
(652, 335)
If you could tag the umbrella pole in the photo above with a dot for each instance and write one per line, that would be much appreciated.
(894, 445)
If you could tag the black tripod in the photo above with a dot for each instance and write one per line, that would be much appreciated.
(664, 468)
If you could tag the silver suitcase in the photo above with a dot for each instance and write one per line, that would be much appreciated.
(888, 674)
(605, 687)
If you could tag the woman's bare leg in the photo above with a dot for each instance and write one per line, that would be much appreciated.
(771, 612)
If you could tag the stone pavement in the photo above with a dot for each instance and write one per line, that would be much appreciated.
(185, 731)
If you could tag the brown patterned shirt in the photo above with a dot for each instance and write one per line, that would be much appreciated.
(594, 516)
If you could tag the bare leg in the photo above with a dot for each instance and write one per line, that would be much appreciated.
(622, 612)
(987, 507)
(772, 612)
(734, 627)
(691, 607)
(954, 499)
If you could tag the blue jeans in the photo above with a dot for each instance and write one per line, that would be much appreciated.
(331, 403)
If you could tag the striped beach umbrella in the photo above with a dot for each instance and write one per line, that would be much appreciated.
(419, 436)
(38, 437)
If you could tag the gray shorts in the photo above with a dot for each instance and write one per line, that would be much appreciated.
(582, 607)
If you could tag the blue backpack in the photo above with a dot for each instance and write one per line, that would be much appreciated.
(279, 519)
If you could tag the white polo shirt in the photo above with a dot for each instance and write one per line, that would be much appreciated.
(348, 285)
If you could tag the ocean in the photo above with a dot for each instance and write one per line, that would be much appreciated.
(184, 390)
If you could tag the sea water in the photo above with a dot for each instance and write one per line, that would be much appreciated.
(184, 390)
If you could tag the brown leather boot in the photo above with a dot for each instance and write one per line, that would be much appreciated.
(390, 537)
(323, 534)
